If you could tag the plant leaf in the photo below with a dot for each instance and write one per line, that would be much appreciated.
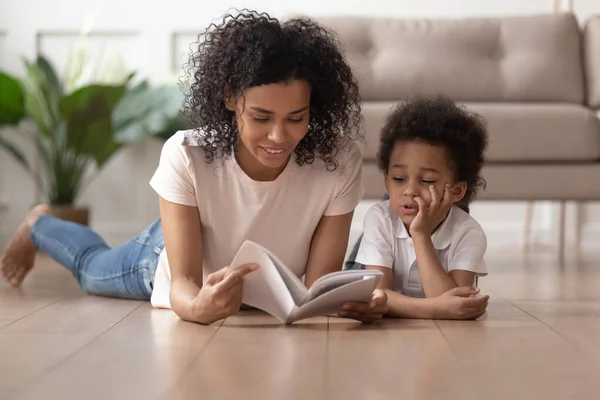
(20, 158)
(88, 112)
(51, 88)
(52, 81)
(176, 124)
(12, 101)
(41, 101)
(16, 153)
(146, 111)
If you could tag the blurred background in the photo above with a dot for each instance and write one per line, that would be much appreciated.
(88, 42)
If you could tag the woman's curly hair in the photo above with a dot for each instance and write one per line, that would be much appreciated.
(253, 49)
(440, 122)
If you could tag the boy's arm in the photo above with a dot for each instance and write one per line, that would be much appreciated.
(434, 278)
(466, 261)
(399, 305)
(453, 304)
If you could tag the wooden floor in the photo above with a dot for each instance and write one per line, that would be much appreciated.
(539, 340)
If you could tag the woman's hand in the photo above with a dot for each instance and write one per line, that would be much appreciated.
(366, 312)
(456, 303)
(221, 294)
(431, 215)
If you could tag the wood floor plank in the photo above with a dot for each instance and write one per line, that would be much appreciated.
(392, 357)
(576, 321)
(542, 277)
(143, 356)
(502, 312)
(537, 340)
(65, 327)
(47, 283)
(5, 322)
(17, 304)
(253, 356)
(84, 315)
(26, 356)
(528, 360)
(550, 310)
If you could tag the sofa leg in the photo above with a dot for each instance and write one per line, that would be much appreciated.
(527, 227)
(561, 230)
(578, 222)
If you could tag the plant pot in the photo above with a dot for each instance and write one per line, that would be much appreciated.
(80, 215)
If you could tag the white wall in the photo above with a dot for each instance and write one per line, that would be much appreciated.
(151, 38)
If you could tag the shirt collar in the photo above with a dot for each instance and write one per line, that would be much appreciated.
(441, 238)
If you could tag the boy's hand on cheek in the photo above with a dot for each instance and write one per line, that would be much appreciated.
(431, 215)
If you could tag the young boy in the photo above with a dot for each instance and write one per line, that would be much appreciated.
(430, 250)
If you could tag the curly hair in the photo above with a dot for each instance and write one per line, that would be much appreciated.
(440, 122)
(253, 49)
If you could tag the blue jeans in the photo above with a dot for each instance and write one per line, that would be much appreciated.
(126, 271)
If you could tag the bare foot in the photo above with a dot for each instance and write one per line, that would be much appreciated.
(19, 256)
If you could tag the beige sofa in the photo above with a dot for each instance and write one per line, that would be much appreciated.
(536, 80)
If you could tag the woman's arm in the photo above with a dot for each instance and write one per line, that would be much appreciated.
(328, 247)
(183, 240)
(192, 299)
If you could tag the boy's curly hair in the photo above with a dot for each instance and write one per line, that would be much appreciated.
(440, 122)
(253, 49)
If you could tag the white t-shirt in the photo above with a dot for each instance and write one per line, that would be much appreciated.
(281, 215)
(460, 244)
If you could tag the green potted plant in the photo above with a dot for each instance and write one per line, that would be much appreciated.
(79, 128)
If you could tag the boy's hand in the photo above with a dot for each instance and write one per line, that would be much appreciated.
(431, 215)
(456, 303)
(366, 312)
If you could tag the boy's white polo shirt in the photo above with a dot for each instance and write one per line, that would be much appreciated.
(460, 244)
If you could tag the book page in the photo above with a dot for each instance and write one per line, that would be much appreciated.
(293, 283)
(331, 302)
(263, 288)
(336, 279)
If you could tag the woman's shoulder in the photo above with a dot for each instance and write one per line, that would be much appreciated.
(183, 138)
(187, 144)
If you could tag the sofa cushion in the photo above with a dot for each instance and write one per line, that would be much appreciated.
(519, 132)
(545, 181)
(526, 58)
(518, 182)
(592, 60)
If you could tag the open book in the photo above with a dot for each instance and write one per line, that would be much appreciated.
(276, 290)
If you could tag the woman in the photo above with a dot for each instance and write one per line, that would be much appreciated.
(272, 159)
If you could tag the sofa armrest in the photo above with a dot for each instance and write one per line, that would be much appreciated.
(592, 60)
